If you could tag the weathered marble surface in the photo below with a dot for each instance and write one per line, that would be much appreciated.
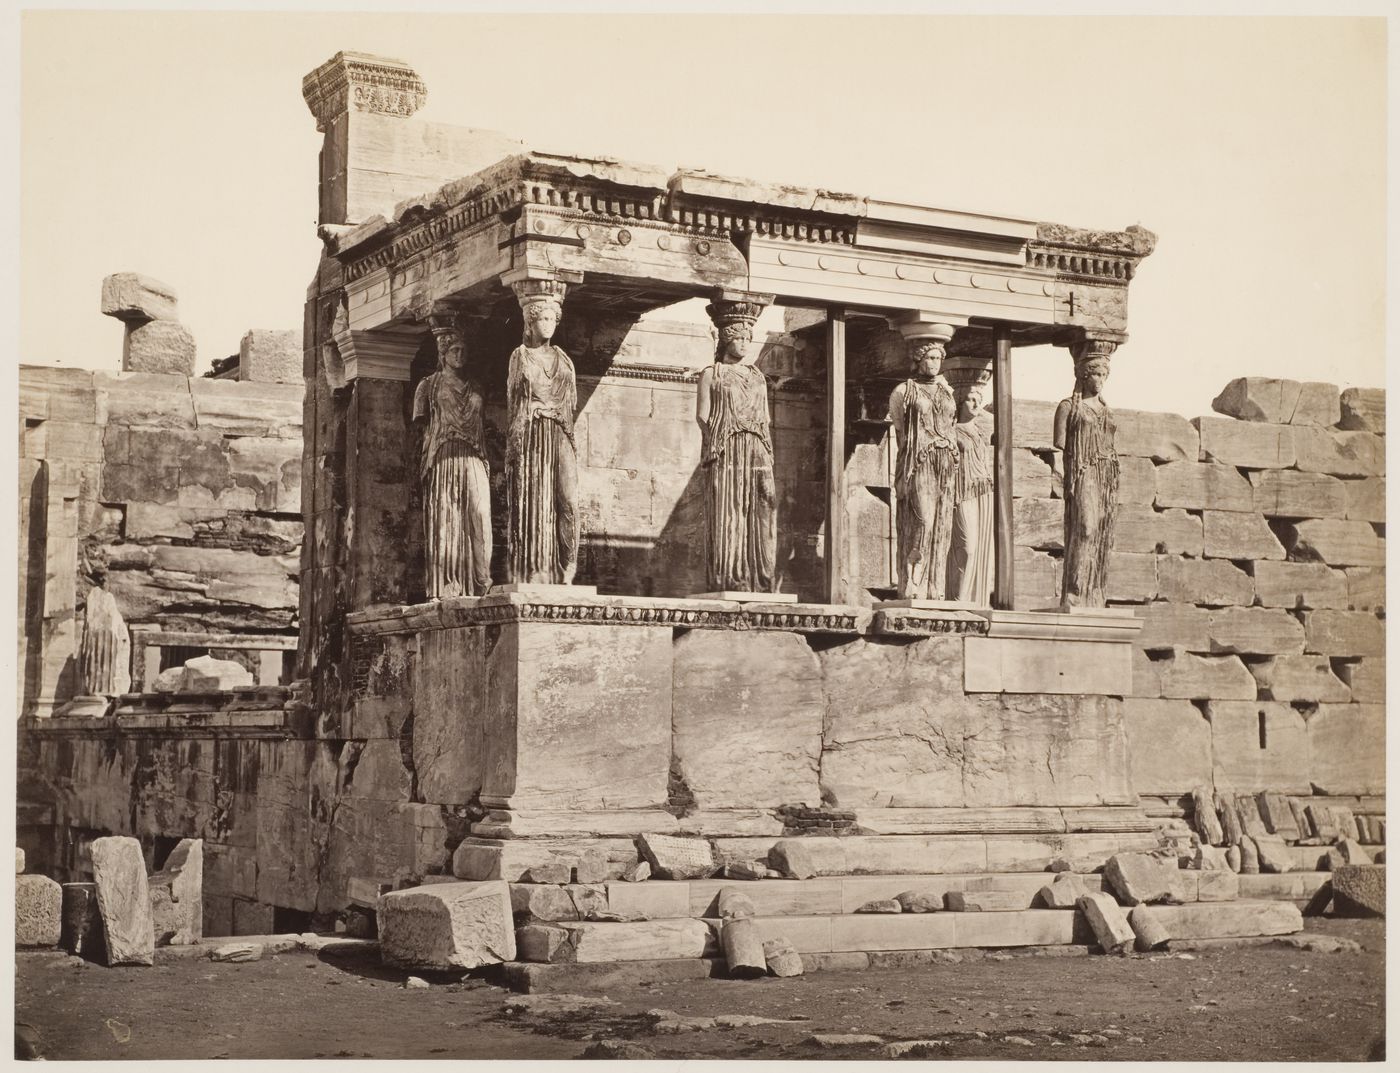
(447, 926)
(123, 899)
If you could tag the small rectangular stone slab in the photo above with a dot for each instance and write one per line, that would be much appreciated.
(678, 858)
(640, 941)
(1064, 893)
(124, 900)
(38, 911)
(447, 926)
(986, 901)
(1111, 928)
(1224, 920)
(1138, 877)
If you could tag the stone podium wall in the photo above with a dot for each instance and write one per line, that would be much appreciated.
(186, 490)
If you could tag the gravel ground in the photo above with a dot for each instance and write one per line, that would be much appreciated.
(1256, 1003)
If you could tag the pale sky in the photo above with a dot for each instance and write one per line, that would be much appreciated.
(178, 145)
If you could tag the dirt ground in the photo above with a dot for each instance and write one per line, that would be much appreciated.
(1252, 1003)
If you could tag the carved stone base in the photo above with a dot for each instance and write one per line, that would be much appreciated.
(85, 707)
(928, 605)
(736, 596)
(527, 589)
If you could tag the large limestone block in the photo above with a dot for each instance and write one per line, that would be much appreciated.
(449, 714)
(177, 895)
(919, 741)
(132, 297)
(244, 408)
(1142, 530)
(1363, 409)
(38, 911)
(447, 926)
(1168, 625)
(1137, 481)
(1229, 535)
(1169, 745)
(1365, 499)
(1108, 921)
(1147, 676)
(1228, 920)
(1139, 878)
(1241, 443)
(159, 346)
(1366, 588)
(1046, 665)
(1305, 678)
(1346, 747)
(1335, 542)
(1039, 523)
(1342, 454)
(124, 900)
(1031, 476)
(1262, 398)
(1203, 486)
(1359, 889)
(1188, 676)
(1259, 746)
(1288, 493)
(1365, 678)
(1213, 582)
(1344, 633)
(648, 940)
(1299, 585)
(747, 718)
(578, 717)
(1257, 631)
(1131, 578)
(270, 355)
(1160, 437)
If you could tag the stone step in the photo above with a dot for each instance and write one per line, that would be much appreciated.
(1227, 920)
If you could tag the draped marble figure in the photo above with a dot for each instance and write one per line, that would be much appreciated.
(923, 412)
(104, 650)
(972, 567)
(1084, 433)
(452, 468)
(741, 512)
(541, 463)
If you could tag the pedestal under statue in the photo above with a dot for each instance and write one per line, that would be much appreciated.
(923, 412)
(741, 503)
(541, 463)
(1084, 432)
(452, 464)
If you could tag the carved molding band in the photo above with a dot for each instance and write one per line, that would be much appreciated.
(362, 83)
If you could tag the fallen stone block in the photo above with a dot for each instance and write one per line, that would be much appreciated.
(678, 858)
(735, 904)
(1137, 878)
(206, 674)
(881, 905)
(746, 870)
(447, 926)
(81, 932)
(237, 952)
(913, 901)
(1064, 893)
(1222, 920)
(1150, 934)
(159, 346)
(134, 298)
(547, 902)
(637, 873)
(1211, 859)
(124, 900)
(1108, 921)
(1218, 886)
(560, 870)
(1247, 808)
(1249, 856)
(646, 941)
(1273, 853)
(1353, 852)
(1301, 818)
(1363, 409)
(591, 867)
(743, 948)
(1358, 890)
(177, 895)
(38, 911)
(782, 959)
(985, 901)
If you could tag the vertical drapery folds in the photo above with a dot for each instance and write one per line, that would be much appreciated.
(1084, 432)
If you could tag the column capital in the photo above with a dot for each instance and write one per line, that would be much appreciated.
(1096, 344)
(380, 355)
(921, 326)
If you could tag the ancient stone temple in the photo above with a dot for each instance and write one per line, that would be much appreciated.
(742, 541)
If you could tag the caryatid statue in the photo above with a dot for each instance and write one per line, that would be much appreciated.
(924, 412)
(741, 503)
(972, 563)
(104, 650)
(541, 463)
(1084, 432)
(452, 466)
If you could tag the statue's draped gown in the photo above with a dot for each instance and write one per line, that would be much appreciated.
(971, 566)
(925, 484)
(1091, 498)
(541, 466)
(456, 489)
(740, 497)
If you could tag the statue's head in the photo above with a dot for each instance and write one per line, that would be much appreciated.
(972, 399)
(927, 359)
(450, 342)
(541, 314)
(734, 321)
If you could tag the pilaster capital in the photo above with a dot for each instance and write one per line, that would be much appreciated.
(1099, 344)
(360, 82)
(919, 327)
(533, 285)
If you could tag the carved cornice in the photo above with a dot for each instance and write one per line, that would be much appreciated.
(356, 81)
(1098, 256)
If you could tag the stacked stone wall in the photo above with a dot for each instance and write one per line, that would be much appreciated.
(185, 492)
